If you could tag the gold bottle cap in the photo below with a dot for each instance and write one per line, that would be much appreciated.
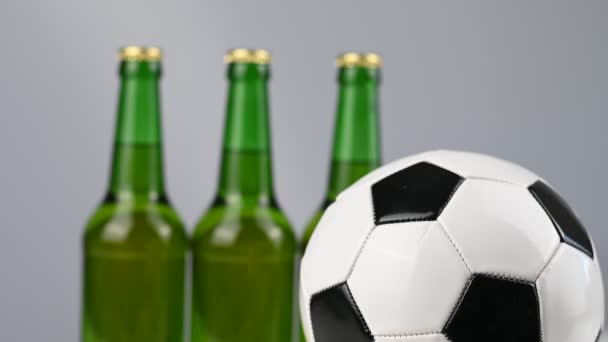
(355, 59)
(258, 56)
(140, 53)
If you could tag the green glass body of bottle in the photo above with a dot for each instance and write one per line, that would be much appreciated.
(244, 248)
(135, 244)
(356, 146)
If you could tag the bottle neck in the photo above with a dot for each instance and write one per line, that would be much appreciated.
(137, 171)
(356, 149)
(246, 174)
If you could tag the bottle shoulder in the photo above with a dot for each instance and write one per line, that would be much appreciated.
(121, 225)
(225, 227)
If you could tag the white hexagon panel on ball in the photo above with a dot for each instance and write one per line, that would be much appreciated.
(450, 246)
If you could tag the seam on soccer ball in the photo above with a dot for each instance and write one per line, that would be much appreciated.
(460, 300)
(497, 180)
(505, 277)
(371, 199)
(450, 196)
(445, 231)
(411, 219)
(540, 274)
(390, 336)
(352, 266)
(358, 311)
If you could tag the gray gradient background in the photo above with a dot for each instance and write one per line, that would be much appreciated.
(523, 80)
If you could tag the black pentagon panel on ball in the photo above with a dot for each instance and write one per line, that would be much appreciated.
(569, 227)
(336, 317)
(496, 309)
(417, 193)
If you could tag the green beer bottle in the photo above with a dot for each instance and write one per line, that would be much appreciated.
(356, 149)
(243, 247)
(135, 244)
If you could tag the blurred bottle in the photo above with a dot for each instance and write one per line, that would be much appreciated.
(135, 244)
(356, 148)
(243, 247)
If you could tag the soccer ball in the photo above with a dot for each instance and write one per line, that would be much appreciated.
(451, 247)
